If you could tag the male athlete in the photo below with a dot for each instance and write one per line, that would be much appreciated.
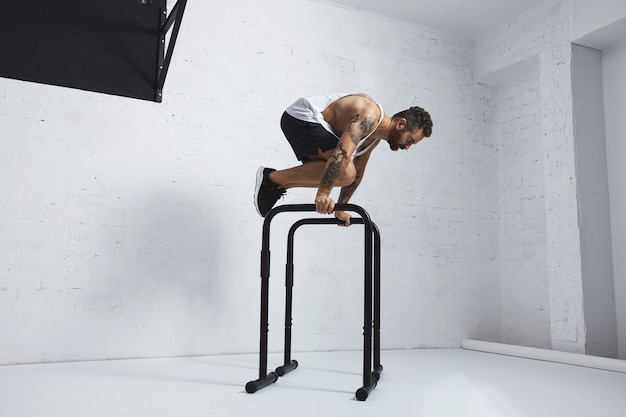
(333, 136)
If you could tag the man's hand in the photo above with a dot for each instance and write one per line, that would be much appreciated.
(324, 204)
(344, 217)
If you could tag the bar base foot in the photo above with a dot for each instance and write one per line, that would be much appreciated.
(377, 373)
(363, 392)
(254, 386)
(282, 370)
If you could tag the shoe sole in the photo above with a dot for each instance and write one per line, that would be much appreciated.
(257, 187)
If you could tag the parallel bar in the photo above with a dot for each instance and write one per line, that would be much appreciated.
(288, 299)
(254, 386)
(370, 379)
(378, 368)
(364, 392)
(367, 311)
(289, 268)
(287, 367)
(264, 326)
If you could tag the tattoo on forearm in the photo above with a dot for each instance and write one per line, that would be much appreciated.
(346, 192)
(362, 130)
(333, 169)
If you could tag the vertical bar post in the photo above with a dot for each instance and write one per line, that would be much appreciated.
(378, 368)
(371, 299)
(288, 364)
(369, 383)
(265, 379)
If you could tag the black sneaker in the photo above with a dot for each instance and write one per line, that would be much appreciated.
(266, 192)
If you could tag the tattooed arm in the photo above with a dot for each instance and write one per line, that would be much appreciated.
(360, 126)
(360, 162)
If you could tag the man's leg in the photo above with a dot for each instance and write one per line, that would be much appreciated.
(309, 174)
(307, 141)
(272, 184)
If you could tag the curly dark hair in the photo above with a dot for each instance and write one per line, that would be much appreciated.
(416, 117)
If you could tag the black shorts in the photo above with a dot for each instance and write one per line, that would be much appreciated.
(306, 138)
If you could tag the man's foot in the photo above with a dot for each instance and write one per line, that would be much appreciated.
(266, 191)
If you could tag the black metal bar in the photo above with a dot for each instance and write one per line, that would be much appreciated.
(158, 96)
(370, 379)
(378, 368)
(288, 308)
(254, 386)
(265, 378)
(368, 382)
(177, 15)
(264, 324)
(290, 364)
(265, 277)
(165, 27)
(286, 368)
(364, 392)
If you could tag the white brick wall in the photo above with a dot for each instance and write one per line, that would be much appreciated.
(540, 38)
(128, 227)
(521, 208)
(522, 38)
(562, 228)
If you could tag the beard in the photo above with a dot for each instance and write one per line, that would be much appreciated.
(394, 139)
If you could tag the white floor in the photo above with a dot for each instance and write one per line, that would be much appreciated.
(433, 383)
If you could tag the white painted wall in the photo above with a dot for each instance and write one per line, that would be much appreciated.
(580, 290)
(538, 41)
(593, 202)
(128, 228)
(521, 39)
(594, 19)
(521, 220)
(614, 66)
(522, 216)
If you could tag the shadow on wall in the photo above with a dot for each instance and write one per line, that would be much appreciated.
(167, 273)
(174, 242)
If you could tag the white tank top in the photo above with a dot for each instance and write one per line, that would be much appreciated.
(310, 110)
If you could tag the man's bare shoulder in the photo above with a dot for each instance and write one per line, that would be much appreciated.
(346, 108)
(354, 102)
(341, 113)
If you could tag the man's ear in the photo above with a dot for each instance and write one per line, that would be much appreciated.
(401, 123)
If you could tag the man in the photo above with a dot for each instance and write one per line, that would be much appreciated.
(333, 136)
